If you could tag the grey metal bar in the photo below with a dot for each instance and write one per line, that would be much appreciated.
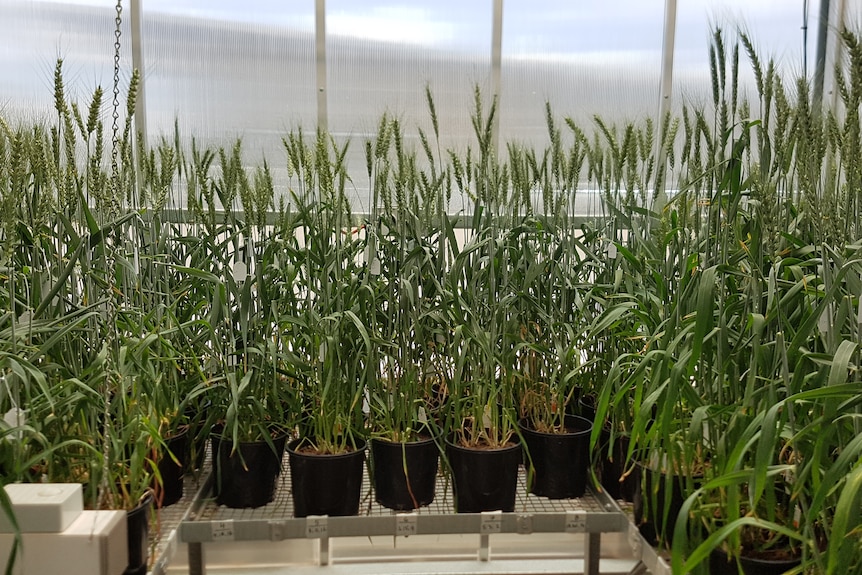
(496, 66)
(320, 54)
(180, 216)
(196, 559)
(666, 89)
(648, 556)
(450, 523)
(484, 547)
(138, 64)
(323, 548)
(820, 61)
(593, 552)
(840, 16)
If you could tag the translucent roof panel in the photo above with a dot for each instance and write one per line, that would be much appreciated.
(584, 58)
(381, 55)
(774, 27)
(35, 35)
(225, 72)
(224, 69)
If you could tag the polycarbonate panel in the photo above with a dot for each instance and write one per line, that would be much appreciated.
(380, 57)
(774, 26)
(585, 58)
(849, 13)
(227, 70)
(35, 34)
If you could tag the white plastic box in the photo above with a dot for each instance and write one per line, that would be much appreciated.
(43, 507)
(94, 544)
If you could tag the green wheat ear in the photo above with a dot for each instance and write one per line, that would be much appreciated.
(432, 110)
(59, 92)
(93, 115)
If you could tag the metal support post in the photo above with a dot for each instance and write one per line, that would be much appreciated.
(593, 552)
(320, 54)
(496, 68)
(196, 558)
(323, 548)
(484, 547)
(666, 88)
(820, 60)
(138, 64)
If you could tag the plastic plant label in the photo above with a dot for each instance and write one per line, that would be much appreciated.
(316, 526)
(612, 251)
(492, 522)
(15, 418)
(25, 318)
(366, 402)
(823, 321)
(240, 271)
(576, 521)
(405, 524)
(525, 524)
(486, 417)
(423, 417)
(222, 530)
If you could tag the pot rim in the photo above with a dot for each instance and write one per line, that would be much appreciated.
(525, 424)
(358, 449)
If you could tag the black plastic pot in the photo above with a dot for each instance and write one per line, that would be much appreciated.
(650, 500)
(613, 467)
(325, 484)
(247, 476)
(171, 489)
(587, 406)
(484, 479)
(404, 473)
(196, 414)
(560, 461)
(721, 564)
(138, 532)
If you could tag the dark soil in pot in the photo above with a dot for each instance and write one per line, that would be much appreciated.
(484, 479)
(721, 564)
(404, 473)
(559, 461)
(325, 484)
(247, 476)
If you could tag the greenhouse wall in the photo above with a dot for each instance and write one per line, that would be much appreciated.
(219, 73)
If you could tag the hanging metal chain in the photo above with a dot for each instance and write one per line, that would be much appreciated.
(111, 311)
(115, 114)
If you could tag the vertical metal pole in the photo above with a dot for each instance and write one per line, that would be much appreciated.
(839, 45)
(141, 98)
(320, 53)
(666, 88)
(323, 548)
(196, 558)
(496, 66)
(138, 64)
(593, 552)
(484, 547)
(820, 62)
